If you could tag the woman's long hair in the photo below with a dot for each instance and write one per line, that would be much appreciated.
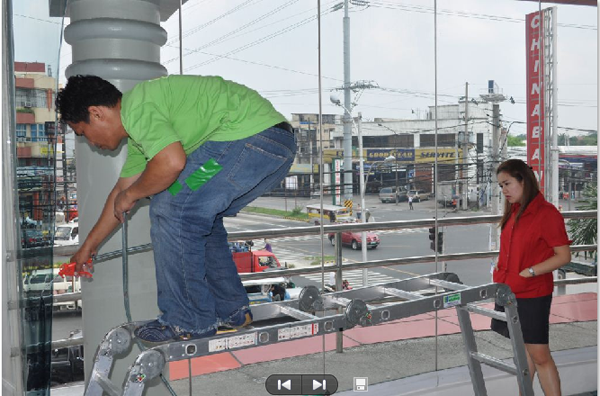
(523, 173)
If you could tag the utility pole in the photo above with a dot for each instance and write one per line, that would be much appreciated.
(465, 150)
(363, 206)
(347, 119)
(494, 165)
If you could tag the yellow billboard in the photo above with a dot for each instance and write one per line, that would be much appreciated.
(444, 155)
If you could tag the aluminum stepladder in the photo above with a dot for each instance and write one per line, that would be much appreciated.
(316, 314)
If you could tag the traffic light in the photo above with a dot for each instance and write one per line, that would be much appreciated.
(440, 240)
(432, 238)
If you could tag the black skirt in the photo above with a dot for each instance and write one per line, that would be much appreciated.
(534, 315)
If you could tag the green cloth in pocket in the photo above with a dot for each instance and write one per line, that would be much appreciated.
(203, 174)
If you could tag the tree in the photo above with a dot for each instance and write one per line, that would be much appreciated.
(514, 141)
(584, 231)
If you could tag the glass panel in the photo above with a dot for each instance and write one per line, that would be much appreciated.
(429, 143)
(484, 74)
(36, 41)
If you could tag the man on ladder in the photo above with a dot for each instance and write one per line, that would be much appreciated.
(202, 148)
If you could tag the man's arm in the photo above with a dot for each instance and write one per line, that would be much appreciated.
(104, 226)
(161, 171)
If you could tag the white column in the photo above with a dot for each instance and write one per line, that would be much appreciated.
(119, 41)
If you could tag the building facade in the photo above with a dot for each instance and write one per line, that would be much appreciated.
(35, 134)
(411, 142)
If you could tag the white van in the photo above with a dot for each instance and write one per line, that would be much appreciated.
(66, 234)
(46, 281)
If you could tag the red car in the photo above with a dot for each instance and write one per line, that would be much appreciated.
(354, 239)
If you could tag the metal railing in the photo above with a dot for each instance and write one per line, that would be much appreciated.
(339, 268)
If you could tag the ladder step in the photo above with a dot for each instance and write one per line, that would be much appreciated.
(107, 385)
(338, 300)
(494, 362)
(402, 294)
(447, 285)
(490, 313)
(296, 313)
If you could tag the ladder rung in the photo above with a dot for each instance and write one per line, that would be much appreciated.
(486, 312)
(296, 313)
(402, 293)
(339, 301)
(494, 362)
(447, 285)
(108, 386)
(343, 302)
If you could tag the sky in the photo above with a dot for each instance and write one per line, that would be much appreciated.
(272, 46)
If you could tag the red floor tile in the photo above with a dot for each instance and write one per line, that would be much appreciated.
(479, 322)
(579, 311)
(400, 331)
(202, 365)
(567, 298)
(288, 349)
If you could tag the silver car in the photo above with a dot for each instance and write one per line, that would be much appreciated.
(388, 194)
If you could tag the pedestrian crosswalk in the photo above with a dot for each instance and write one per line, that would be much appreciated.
(354, 277)
(383, 232)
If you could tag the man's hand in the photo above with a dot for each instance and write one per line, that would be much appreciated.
(123, 204)
(82, 259)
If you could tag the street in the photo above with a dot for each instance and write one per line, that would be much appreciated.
(394, 244)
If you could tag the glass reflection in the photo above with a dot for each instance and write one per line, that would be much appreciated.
(37, 43)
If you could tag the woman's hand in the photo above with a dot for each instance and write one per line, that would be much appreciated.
(525, 273)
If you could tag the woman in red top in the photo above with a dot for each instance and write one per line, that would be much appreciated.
(533, 243)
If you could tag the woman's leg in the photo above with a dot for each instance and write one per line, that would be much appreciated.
(545, 368)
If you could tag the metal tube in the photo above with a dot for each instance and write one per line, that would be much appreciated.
(339, 337)
(347, 119)
(363, 206)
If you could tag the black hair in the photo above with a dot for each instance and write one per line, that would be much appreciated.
(81, 92)
(523, 173)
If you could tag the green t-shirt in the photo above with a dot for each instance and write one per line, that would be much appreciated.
(190, 110)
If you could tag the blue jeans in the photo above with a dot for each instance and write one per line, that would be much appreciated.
(197, 281)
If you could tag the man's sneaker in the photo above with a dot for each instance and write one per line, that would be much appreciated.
(240, 319)
(157, 333)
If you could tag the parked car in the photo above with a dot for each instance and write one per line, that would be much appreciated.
(354, 239)
(67, 363)
(388, 194)
(66, 234)
(418, 195)
(47, 282)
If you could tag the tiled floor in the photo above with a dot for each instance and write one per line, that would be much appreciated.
(567, 308)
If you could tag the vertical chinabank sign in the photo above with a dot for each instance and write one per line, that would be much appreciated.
(535, 94)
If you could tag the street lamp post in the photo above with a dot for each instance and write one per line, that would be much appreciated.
(395, 157)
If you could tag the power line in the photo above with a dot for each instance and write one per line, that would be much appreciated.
(229, 35)
(212, 21)
(259, 41)
(464, 14)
